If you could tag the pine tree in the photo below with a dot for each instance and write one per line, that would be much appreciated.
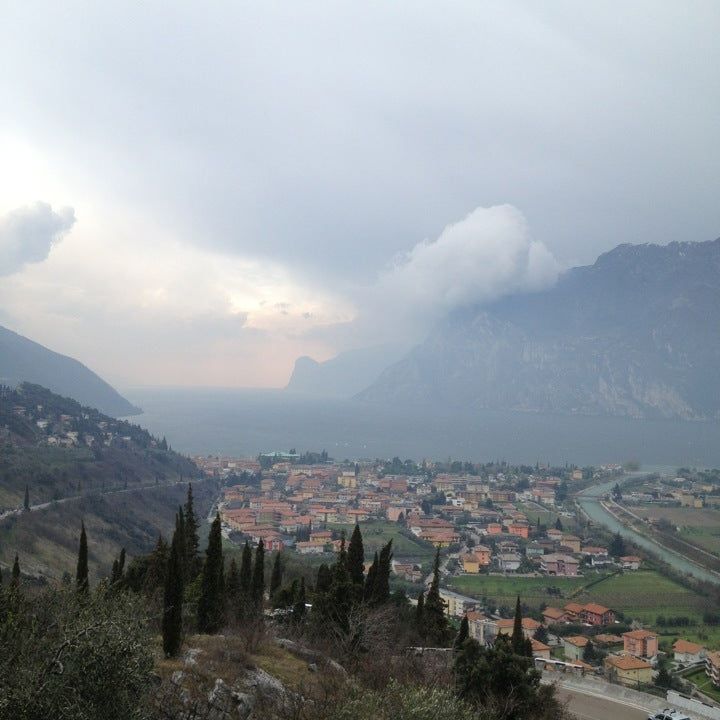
(81, 573)
(298, 611)
(435, 625)
(370, 579)
(517, 639)
(210, 609)
(381, 586)
(257, 588)
(463, 633)
(26, 502)
(276, 576)
(172, 623)
(192, 539)
(356, 562)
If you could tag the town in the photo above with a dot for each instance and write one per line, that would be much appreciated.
(592, 604)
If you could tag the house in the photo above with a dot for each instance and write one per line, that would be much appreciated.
(628, 670)
(570, 541)
(607, 640)
(457, 605)
(574, 647)
(479, 557)
(640, 643)
(553, 616)
(687, 652)
(540, 649)
(574, 610)
(478, 627)
(712, 667)
(558, 564)
(630, 562)
(509, 562)
(505, 627)
(597, 614)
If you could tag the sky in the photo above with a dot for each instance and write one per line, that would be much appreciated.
(199, 193)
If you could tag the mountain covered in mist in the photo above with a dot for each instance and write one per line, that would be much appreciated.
(344, 375)
(636, 334)
(22, 360)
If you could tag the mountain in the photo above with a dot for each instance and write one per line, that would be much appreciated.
(636, 334)
(344, 375)
(24, 360)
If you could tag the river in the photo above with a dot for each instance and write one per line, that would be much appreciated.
(589, 501)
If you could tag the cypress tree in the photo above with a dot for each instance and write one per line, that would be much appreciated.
(356, 562)
(192, 539)
(26, 501)
(121, 563)
(232, 586)
(435, 623)
(419, 608)
(276, 577)
(246, 572)
(517, 639)
(15, 576)
(81, 573)
(341, 590)
(257, 588)
(210, 616)
(381, 587)
(298, 611)
(172, 625)
(324, 579)
(463, 633)
(370, 579)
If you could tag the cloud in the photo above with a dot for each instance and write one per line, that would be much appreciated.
(484, 256)
(27, 234)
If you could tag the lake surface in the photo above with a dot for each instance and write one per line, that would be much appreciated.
(246, 422)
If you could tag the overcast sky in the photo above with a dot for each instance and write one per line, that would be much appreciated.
(197, 193)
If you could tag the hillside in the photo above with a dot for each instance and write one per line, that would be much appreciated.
(123, 482)
(22, 360)
(635, 334)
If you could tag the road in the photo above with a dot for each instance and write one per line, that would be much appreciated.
(593, 707)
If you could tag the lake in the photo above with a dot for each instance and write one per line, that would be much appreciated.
(246, 422)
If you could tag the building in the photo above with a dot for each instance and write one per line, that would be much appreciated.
(628, 670)
(687, 652)
(540, 649)
(712, 667)
(553, 616)
(505, 627)
(456, 604)
(630, 562)
(595, 614)
(640, 643)
(574, 647)
(558, 564)
(478, 558)
(509, 562)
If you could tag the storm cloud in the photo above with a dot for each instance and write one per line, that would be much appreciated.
(27, 234)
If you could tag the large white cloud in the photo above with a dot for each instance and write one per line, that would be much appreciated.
(476, 260)
(27, 234)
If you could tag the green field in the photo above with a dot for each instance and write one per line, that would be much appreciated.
(376, 534)
(702, 682)
(699, 526)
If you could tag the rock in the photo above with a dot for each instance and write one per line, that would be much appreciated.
(190, 658)
(312, 667)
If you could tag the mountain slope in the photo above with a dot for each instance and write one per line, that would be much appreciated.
(23, 360)
(636, 334)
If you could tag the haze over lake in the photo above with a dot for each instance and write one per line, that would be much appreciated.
(246, 422)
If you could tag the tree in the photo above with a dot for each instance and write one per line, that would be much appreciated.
(172, 624)
(503, 684)
(370, 579)
(232, 585)
(26, 501)
(298, 610)
(435, 622)
(257, 588)
(541, 634)
(463, 633)
(616, 548)
(15, 576)
(192, 538)
(245, 573)
(517, 639)
(324, 579)
(276, 576)
(589, 652)
(381, 586)
(210, 609)
(419, 614)
(340, 595)
(356, 562)
(562, 492)
(558, 524)
(81, 573)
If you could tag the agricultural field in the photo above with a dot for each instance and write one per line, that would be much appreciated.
(699, 526)
(377, 533)
(702, 682)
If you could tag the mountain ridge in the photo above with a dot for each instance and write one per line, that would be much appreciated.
(24, 360)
